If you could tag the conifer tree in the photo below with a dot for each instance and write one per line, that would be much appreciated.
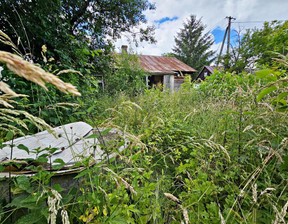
(193, 45)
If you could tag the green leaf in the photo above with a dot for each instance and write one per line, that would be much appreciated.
(282, 95)
(121, 143)
(93, 136)
(58, 187)
(90, 109)
(9, 135)
(118, 220)
(264, 92)
(268, 74)
(61, 164)
(23, 147)
(23, 201)
(1, 168)
(88, 71)
(106, 131)
(59, 161)
(33, 217)
(284, 165)
(42, 159)
(282, 109)
(16, 201)
(282, 102)
(45, 212)
(86, 51)
(23, 182)
(81, 174)
(51, 150)
(96, 52)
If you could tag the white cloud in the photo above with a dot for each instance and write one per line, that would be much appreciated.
(212, 12)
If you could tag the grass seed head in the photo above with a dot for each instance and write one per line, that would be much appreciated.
(34, 73)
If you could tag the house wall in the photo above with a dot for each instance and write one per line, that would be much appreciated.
(168, 82)
(178, 81)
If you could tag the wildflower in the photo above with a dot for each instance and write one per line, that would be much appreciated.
(172, 197)
(241, 193)
(44, 48)
(54, 206)
(90, 214)
(65, 217)
(254, 191)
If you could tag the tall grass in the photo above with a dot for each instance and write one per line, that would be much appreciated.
(215, 149)
(212, 154)
(33, 73)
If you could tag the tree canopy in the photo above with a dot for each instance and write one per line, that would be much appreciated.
(263, 43)
(193, 45)
(63, 24)
(258, 47)
(76, 34)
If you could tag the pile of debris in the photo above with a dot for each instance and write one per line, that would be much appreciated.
(67, 144)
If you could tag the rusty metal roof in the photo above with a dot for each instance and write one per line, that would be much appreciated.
(212, 68)
(163, 65)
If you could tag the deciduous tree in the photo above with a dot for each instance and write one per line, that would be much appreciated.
(64, 24)
(258, 47)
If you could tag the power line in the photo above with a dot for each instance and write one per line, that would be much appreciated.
(251, 22)
(218, 24)
(260, 21)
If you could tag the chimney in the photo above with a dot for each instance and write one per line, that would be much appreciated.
(124, 49)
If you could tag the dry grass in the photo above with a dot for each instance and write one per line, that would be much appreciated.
(10, 115)
(175, 199)
(34, 73)
(5, 39)
(30, 72)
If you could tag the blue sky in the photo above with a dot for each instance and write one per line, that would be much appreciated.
(165, 19)
(219, 33)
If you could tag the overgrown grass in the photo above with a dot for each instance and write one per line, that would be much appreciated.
(211, 154)
(213, 149)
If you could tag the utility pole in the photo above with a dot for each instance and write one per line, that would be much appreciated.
(228, 29)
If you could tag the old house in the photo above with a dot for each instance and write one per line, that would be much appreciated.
(167, 71)
(164, 71)
(206, 71)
